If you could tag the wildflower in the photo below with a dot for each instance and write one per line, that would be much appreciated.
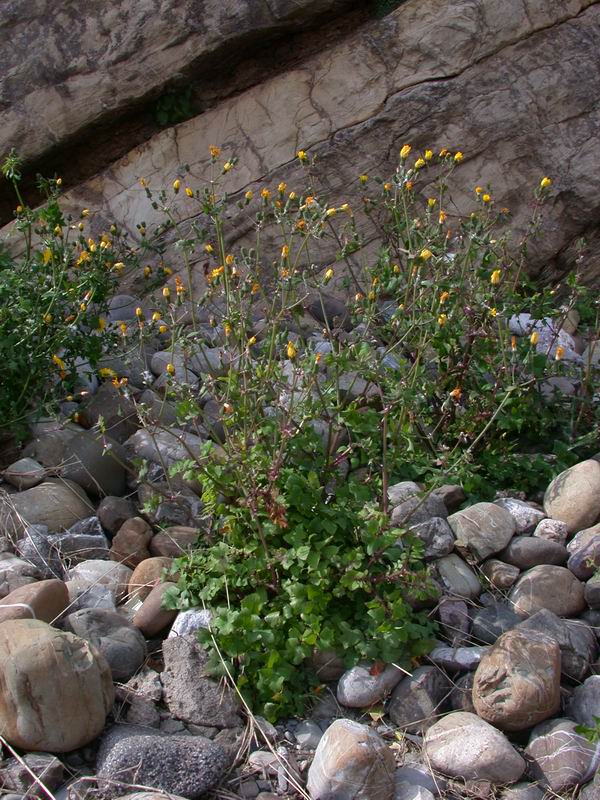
(215, 152)
(534, 338)
(291, 351)
(107, 372)
(309, 200)
(409, 185)
(478, 190)
(301, 224)
(229, 259)
(495, 277)
(420, 162)
(255, 288)
(189, 192)
(331, 212)
(170, 368)
(265, 194)
(458, 157)
(167, 271)
(442, 217)
(227, 408)
(81, 226)
(505, 210)
(101, 324)
(179, 287)
(251, 341)
(443, 297)
(493, 312)
(147, 272)
(176, 185)
(292, 195)
(396, 269)
(227, 166)
(371, 296)
(123, 328)
(47, 255)
(85, 212)
(118, 266)
(359, 296)
(282, 187)
(317, 358)
(387, 187)
(143, 183)
(156, 316)
(425, 254)
(363, 179)
(162, 329)
(560, 351)
(285, 273)
(513, 343)
(48, 318)
(19, 209)
(166, 292)
(58, 230)
(139, 312)
(285, 251)
(302, 155)
(59, 181)
(456, 393)
(82, 306)
(249, 195)
(208, 248)
(345, 207)
(217, 271)
(444, 152)
(442, 319)
(227, 328)
(329, 274)
(405, 151)
(486, 198)
(59, 362)
(545, 182)
(431, 202)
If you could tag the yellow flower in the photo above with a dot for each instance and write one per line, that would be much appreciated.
(227, 166)
(331, 212)
(217, 271)
(143, 183)
(534, 338)
(189, 192)
(329, 274)
(431, 202)
(387, 187)
(48, 318)
(545, 182)
(59, 362)
(513, 343)
(101, 324)
(291, 351)
(47, 255)
(176, 185)
(409, 185)
(162, 329)
(371, 295)
(215, 152)
(123, 328)
(493, 312)
(292, 195)
(396, 269)
(302, 155)
(229, 259)
(425, 254)
(156, 316)
(560, 351)
(345, 207)
(285, 251)
(456, 393)
(405, 152)
(444, 152)
(82, 306)
(285, 273)
(309, 200)
(166, 292)
(478, 190)
(85, 212)
(265, 194)
(486, 198)
(147, 272)
(420, 162)
(167, 271)
(81, 226)
(59, 181)
(442, 319)
(251, 341)
(255, 288)
(495, 277)
(428, 155)
(118, 266)
(139, 313)
(227, 328)
(58, 230)
(363, 179)
(442, 217)
(359, 296)
(249, 195)
(209, 248)
(282, 187)
(444, 296)
(107, 372)
(170, 368)
(317, 358)
(458, 157)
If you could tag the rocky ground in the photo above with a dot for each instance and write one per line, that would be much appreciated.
(105, 693)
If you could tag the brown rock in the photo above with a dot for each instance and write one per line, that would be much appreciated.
(58, 504)
(44, 600)
(174, 541)
(561, 758)
(147, 574)
(547, 586)
(151, 618)
(499, 574)
(517, 683)
(114, 512)
(574, 496)
(130, 545)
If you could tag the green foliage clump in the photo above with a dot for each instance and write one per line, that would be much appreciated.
(174, 106)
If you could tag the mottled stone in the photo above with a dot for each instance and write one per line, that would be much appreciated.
(130, 543)
(552, 529)
(574, 496)
(363, 686)
(526, 517)
(584, 553)
(525, 552)
(457, 577)
(500, 574)
(482, 530)
(492, 621)
(584, 703)
(578, 646)
(418, 700)
(561, 758)
(546, 586)
(44, 600)
(24, 473)
(174, 541)
(56, 504)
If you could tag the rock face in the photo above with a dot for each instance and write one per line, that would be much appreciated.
(517, 683)
(351, 763)
(463, 746)
(56, 688)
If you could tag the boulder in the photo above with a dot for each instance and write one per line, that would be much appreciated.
(56, 688)
(362, 686)
(482, 530)
(492, 621)
(147, 574)
(174, 541)
(190, 621)
(584, 704)
(561, 758)
(584, 553)
(16, 774)
(351, 763)
(15, 572)
(130, 543)
(526, 517)
(44, 600)
(525, 552)
(436, 537)
(463, 746)
(574, 496)
(552, 529)
(24, 473)
(113, 512)
(457, 577)
(151, 618)
(547, 586)
(461, 696)
(578, 645)
(418, 700)
(56, 504)
(500, 574)
(95, 572)
(517, 683)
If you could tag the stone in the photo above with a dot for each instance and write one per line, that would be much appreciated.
(561, 758)
(83, 595)
(525, 516)
(457, 659)
(308, 734)
(174, 541)
(44, 600)
(458, 578)
(117, 411)
(517, 683)
(522, 791)
(407, 791)
(463, 746)
(56, 504)
(34, 547)
(592, 790)
(17, 774)
(454, 618)
(482, 530)
(83, 541)
(417, 509)
(113, 512)
(461, 696)
(492, 621)
(24, 473)
(130, 543)
(190, 621)
(94, 572)
(552, 529)
(57, 689)
(525, 552)
(142, 693)
(93, 461)
(417, 774)
(578, 645)
(584, 703)
(574, 496)
(402, 491)
(164, 447)
(351, 763)
(188, 766)
(327, 665)
(120, 642)
(547, 586)
(15, 572)
(436, 537)
(419, 699)
(151, 617)
(362, 686)
(592, 592)
(500, 574)
(147, 574)
(452, 496)
(190, 694)
(584, 553)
